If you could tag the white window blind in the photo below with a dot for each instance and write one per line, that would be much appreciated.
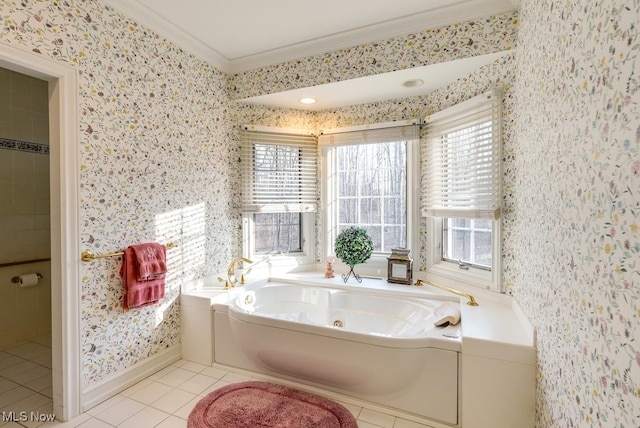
(462, 160)
(383, 133)
(279, 172)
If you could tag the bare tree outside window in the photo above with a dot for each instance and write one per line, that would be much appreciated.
(278, 167)
(372, 191)
(277, 233)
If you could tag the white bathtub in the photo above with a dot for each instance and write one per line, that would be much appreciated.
(379, 348)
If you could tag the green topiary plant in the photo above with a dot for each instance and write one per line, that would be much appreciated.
(353, 246)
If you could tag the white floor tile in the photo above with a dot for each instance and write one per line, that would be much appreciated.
(95, 423)
(15, 370)
(40, 416)
(193, 367)
(217, 385)
(72, 423)
(13, 395)
(147, 418)
(173, 401)
(29, 403)
(151, 392)
(352, 408)
(197, 384)
(105, 405)
(6, 385)
(232, 377)
(157, 375)
(176, 377)
(30, 375)
(120, 411)
(40, 384)
(138, 386)
(183, 412)
(173, 422)
(214, 372)
(9, 362)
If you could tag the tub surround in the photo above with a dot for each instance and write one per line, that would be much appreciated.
(495, 365)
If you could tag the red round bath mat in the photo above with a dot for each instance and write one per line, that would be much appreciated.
(260, 404)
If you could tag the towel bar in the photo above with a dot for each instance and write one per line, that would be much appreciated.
(88, 256)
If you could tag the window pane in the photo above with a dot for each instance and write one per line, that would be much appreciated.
(369, 211)
(395, 210)
(375, 176)
(348, 211)
(278, 232)
(348, 183)
(482, 248)
(467, 240)
(376, 236)
(394, 236)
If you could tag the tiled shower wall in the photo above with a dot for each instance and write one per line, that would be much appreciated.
(24, 205)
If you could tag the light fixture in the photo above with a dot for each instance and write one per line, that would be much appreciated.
(413, 83)
(307, 100)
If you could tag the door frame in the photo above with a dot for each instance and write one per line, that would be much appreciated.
(65, 251)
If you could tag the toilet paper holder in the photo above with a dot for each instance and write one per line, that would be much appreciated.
(16, 279)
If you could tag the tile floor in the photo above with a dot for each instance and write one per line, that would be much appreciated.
(163, 400)
(25, 380)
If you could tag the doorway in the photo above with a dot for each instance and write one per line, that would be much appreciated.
(25, 250)
(65, 252)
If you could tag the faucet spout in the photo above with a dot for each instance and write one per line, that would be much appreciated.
(231, 270)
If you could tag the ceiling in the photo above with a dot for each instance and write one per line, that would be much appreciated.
(239, 35)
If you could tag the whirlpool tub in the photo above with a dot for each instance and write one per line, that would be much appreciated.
(373, 346)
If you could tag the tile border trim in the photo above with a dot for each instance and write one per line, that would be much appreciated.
(24, 146)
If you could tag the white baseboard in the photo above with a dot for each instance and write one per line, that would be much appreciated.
(119, 382)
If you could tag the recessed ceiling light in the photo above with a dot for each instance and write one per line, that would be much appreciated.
(412, 83)
(308, 100)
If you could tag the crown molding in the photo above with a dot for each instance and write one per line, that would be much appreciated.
(171, 31)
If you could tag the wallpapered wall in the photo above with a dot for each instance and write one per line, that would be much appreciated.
(577, 204)
(156, 165)
(158, 148)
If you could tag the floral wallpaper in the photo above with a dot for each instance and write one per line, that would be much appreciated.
(431, 46)
(156, 164)
(159, 150)
(576, 238)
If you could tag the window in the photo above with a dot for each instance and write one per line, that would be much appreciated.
(279, 189)
(277, 233)
(462, 192)
(372, 192)
(366, 181)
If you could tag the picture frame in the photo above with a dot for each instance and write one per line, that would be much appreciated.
(400, 271)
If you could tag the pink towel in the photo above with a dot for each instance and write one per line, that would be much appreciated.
(138, 292)
(151, 260)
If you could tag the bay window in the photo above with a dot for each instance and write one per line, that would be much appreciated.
(462, 191)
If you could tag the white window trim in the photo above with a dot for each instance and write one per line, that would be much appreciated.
(281, 260)
(449, 273)
(376, 266)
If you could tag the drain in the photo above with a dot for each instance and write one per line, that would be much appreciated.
(248, 300)
(338, 323)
